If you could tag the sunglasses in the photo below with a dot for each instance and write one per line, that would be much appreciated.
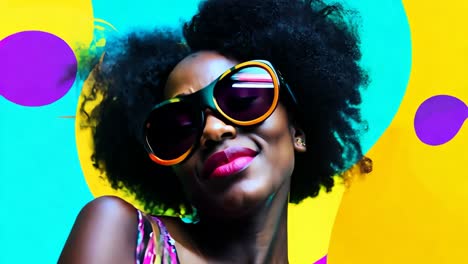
(245, 95)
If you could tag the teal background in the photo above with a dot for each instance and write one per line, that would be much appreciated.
(42, 186)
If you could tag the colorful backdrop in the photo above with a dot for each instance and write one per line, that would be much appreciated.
(413, 207)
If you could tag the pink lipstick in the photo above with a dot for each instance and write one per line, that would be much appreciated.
(228, 162)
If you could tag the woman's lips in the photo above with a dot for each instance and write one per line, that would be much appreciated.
(228, 162)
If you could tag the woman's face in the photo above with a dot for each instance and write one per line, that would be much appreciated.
(234, 170)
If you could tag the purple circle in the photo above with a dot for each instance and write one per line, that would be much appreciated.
(439, 119)
(36, 68)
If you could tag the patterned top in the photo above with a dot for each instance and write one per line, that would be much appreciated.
(146, 252)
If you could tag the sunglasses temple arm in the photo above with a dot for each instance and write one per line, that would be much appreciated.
(289, 90)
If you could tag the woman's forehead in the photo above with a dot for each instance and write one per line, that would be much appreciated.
(195, 72)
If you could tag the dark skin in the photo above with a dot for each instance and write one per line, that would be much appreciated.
(243, 221)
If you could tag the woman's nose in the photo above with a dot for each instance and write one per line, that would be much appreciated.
(215, 130)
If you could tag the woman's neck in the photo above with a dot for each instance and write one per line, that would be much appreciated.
(259, 238)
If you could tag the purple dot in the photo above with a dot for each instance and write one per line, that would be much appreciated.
(36, 68)
(439, 119)
(322, 260)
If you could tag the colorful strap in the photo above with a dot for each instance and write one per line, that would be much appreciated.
(166, 249)
(146, 252)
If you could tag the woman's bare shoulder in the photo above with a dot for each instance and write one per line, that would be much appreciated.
(105, 231)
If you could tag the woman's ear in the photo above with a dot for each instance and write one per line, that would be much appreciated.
(299, 140)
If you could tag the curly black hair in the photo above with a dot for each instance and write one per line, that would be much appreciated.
(314, 45)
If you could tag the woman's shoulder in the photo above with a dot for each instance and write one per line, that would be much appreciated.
(108, 212)
(104, 232)
(110, 206)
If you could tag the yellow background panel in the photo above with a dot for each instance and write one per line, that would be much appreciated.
(413, 208)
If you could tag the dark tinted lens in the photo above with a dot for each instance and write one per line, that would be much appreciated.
(246, 94)
(172, 129)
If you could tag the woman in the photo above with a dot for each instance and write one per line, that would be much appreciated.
(254, 107)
